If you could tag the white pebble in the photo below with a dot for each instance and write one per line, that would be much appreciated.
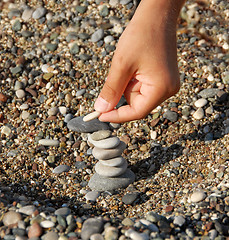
(53, 111)
(201, 102)
(91, 116)
(47, 224)
(198, 114)
(20, 93)
(48, 142)
(198, 196)
(24, 106)
(6, 130)
(63, 110)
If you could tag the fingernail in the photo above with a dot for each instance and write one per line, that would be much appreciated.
(101, 105)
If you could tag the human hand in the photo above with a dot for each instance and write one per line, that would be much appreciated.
(144, 66)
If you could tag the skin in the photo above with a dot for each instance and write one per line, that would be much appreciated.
(144, 67)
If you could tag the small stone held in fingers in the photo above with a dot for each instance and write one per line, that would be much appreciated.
(91, 116)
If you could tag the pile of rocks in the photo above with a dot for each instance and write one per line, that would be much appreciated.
(111, 169)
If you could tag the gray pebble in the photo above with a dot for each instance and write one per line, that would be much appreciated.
(68, 117)
(90, 227)
(50, 236)
(60, 169)
(99, 135)
(113, 162)
(108, 171)
(171, 116)
(208, 92)
(129, 198)
(97, 35)
(27, 210)
(153, 217)
(179, 220)
(77, 124)
(152, 227)
(107, 143)
(111, 233)
(92, 196)
(27, 14)
(80, 92)
(103, 154)
(64, 211)
(97, 236)
(39, 13)
(99, 183)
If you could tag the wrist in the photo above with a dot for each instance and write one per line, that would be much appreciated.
(162, 11)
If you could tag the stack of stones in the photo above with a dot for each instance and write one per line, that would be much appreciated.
(111, 169)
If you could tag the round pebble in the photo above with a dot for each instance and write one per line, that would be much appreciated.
(107, 171)
(198, 196)
(108, 143)
(11, 218)
(100, 135)
(103, 154)
(200, 102)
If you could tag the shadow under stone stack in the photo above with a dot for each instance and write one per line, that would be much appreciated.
(111, 169)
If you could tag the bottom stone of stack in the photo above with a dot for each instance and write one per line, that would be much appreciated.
(100, 183)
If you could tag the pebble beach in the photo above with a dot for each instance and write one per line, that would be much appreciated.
(54, 59)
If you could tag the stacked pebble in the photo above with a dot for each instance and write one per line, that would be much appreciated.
(111, 169)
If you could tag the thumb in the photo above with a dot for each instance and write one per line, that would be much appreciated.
(113, 88)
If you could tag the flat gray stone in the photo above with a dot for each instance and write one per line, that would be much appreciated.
(50, 236)
(107, 143)
(90, 227)
(92, 196)
(60, 169)
(103, 154)
(99, 135)
(113, 162)
(77, 124)
(39, 13)
(97, 35)
(108, 171)
(208, 92)
(129, 198)
(64, 211)
(27, 210)
(100, 183)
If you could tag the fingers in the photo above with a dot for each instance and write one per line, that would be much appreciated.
(116, 82)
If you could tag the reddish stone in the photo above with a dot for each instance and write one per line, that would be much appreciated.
(169, 209)
(3, 97)
(208, 226)
(154, 122)
(51, 118)
(31, 91)
(34, 167)
(78, 159)
(1, 117)
(35, 230)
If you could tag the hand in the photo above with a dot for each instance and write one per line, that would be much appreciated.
(144, 66)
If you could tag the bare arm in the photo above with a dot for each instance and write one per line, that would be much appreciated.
(144, 66)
